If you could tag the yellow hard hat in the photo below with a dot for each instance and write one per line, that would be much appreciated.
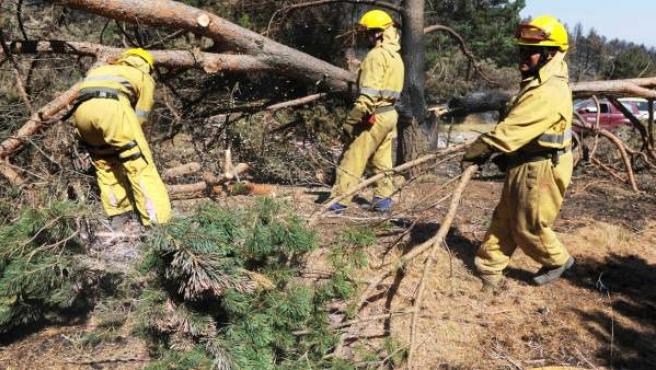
(375, 19)
(141, 53)
(545, 30)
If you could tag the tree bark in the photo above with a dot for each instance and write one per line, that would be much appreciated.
(635, 87)
(177, 15)
(209, 62)
(496, 99)
(412, 108)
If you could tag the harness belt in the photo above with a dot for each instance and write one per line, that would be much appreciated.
(109, 152)
(93, 93)
(522, 157)
(384, 109)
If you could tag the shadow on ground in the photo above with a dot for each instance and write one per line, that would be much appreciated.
(627, 284)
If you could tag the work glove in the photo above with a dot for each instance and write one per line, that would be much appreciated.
(353, 120)
(477, 153)
(501, 161)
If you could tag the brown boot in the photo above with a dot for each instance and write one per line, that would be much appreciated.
(120, 222)
(491, 283)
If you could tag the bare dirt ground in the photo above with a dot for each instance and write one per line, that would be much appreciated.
(601, 316)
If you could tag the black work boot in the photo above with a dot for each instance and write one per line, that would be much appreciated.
(547, 275)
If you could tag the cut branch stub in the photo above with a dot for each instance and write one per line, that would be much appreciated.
(203, 20)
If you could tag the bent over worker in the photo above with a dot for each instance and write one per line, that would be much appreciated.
(534, 139)
(113, 101)
(371, 124)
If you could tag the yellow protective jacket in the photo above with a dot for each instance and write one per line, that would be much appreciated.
(136, 84)
(540, 116)
(380, 79)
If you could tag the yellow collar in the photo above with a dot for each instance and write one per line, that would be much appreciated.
(556, 67)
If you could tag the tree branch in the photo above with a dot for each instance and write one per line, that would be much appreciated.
(44, 117)
(18, 75)
(315, 217)
(174, 14)
(463, 47)
(209, 62)
(617, 142)
(436, 241)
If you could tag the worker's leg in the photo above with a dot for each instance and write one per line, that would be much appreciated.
(150, 194)
(540, 197)
(381, 161)
(113, 192)
(120, 127)
(354, 160)
(112, 183)
(498, 246)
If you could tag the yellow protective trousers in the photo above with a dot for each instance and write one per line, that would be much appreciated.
(126, 179)
(373, 145)
(530, 202)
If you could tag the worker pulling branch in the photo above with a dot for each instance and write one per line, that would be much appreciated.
(534, 142)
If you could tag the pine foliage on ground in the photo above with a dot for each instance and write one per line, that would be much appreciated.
(220, 289)
(39, 278)
(224, 289)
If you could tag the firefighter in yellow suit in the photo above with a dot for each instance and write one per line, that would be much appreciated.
(371, 124)
(534, 139)
(114, 101)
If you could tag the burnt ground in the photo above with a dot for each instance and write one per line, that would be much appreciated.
(601, 316)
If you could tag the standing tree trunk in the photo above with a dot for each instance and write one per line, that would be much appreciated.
(412, 140)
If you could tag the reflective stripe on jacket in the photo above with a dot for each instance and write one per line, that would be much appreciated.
(136, 84)
(380, 79)
(540, 116)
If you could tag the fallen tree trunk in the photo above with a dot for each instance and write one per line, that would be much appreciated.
(180, 171)
(209, 185)
(635, 87)
(173, 14)
(209, 62)
(12, 176)
(495, 100)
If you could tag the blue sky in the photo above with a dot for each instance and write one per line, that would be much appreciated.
(631, 20)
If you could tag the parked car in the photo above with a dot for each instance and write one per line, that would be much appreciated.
(610, 117)
(642, 104)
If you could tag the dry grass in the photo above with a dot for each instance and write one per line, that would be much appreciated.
(610, 299)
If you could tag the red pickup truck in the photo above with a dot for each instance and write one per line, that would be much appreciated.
(610, 118)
